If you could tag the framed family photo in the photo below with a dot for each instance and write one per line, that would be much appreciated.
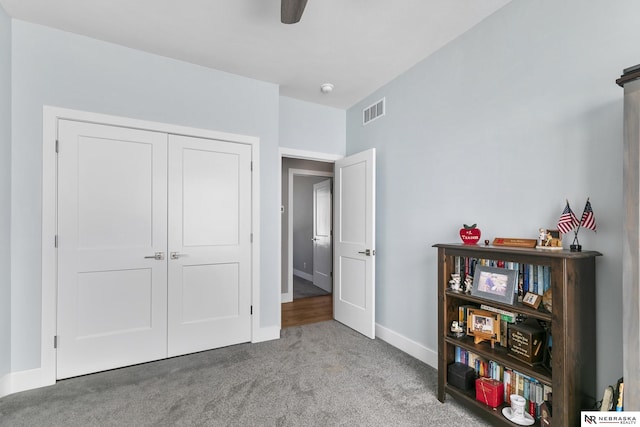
(483, 325)
(495, 284)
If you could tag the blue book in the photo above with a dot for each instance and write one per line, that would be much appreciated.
(547, 278)
(540, 287)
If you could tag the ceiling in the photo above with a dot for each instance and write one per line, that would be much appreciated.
(357, 45)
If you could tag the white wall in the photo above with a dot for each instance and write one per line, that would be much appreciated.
(312, 127)
(498, 128)
(51, 67)
(5, 193)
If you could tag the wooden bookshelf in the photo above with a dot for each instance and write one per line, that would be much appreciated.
(572, 371)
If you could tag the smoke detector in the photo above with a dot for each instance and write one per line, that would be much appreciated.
(326, 88)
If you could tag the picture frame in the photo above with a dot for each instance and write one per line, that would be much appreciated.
(483, 325)
(495, 284)
(532, 300)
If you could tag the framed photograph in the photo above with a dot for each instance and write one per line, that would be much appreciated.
(495, 284)
(483, 325)
(532, 300)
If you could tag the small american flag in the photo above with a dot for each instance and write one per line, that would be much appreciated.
(568, 220)
(588, 219)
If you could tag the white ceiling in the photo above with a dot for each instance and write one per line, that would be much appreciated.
(358, 45)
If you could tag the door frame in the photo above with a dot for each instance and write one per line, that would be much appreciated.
(288, 296)
(302, 155)
(51, 116)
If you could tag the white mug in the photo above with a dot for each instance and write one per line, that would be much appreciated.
(517, 406)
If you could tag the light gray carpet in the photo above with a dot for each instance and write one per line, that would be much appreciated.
(323, 374)
(303, 288)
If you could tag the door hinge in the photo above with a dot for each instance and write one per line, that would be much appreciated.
(251, 310)
(55, 341)
(251, 166)
(331, 274)
(55, 241)
(251, 238)
(57, 146)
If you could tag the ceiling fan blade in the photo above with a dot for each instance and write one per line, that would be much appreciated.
(291, 10)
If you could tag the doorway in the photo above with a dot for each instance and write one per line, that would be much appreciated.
(353, 276)
(307, 256)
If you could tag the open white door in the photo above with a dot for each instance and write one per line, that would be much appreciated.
(354, 242)
(322, 254)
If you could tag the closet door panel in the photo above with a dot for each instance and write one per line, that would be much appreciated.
(112, 219)
(209, 244)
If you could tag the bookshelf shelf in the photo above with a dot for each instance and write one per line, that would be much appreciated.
(494, 416)
(571, 371)
(500, 355)
(516, 307)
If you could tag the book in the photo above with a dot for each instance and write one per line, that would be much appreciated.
(506, 379)
(540, 284)
(509, 316)
(547, 278)
(462, 312)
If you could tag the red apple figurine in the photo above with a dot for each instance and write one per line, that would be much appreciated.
(470, 235)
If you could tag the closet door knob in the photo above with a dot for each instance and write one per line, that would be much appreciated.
(158, 256)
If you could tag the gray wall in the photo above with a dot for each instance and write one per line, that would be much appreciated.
(288, 163)
(5, 193)
(51, 67)
(498, 128)
(303, 222)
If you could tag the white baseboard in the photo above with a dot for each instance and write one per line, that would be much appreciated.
(288, 297)
(5, 385)
(407, 345)
(266, 334)
(15, 382)
(302, 274)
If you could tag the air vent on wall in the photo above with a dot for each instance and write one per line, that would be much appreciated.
(373, 112)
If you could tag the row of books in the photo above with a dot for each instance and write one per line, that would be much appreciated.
(514, 382)
(532, 278)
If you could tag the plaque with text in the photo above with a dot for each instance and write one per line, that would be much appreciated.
(526, 342)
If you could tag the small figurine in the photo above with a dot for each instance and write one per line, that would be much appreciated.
(468, 283)
(548, 239)
(455, 282)
(542, 237)
(456, 329)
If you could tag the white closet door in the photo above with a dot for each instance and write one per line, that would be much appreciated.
(209, 244)
(112, 217)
